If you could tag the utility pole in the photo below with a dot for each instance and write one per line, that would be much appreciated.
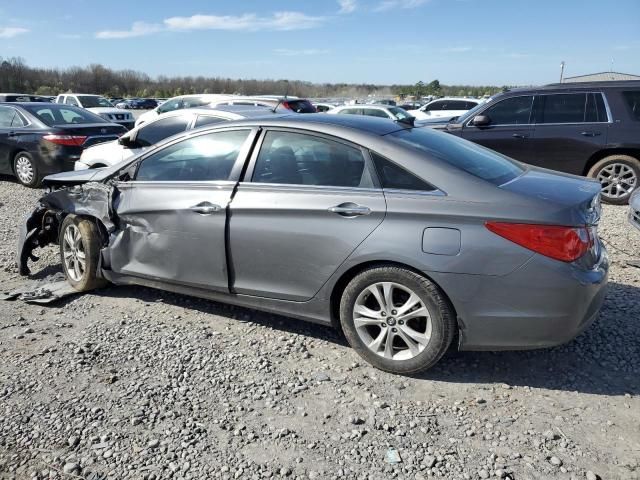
(561, 71)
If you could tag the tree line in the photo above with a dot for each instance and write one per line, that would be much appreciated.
(16, 76)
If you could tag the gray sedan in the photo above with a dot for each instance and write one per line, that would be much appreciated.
(403, 237)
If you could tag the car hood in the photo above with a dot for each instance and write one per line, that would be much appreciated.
(99, 110)
(78, 177)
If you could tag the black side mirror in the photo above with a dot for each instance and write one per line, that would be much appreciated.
(128, 140)
(481, 121)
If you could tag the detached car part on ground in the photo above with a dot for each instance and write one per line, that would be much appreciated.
(405, 238)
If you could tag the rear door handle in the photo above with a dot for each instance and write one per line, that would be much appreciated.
(205, 208)
(350, 210)
(590, 134)
(520, 135)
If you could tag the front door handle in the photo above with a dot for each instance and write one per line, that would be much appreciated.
(520, 135)
(350, 210)
(590, 134)
(205, 208)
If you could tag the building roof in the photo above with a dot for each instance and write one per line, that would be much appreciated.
(601, 76)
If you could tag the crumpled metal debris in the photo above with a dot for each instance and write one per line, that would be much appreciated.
(40, 291)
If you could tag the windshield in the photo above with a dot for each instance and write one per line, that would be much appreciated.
(399, 113)
(89, 101)
(52, 114)
(471, 113)
(469, 157)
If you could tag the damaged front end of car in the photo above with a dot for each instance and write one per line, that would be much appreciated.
(93, 200)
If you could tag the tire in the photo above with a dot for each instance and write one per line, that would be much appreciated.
(26, 170)
(80, 236)
(617, 172)
(435, 331)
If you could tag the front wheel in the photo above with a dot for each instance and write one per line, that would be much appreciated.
(26, 170)
(79, 252)
(618, 175)
(396, 319)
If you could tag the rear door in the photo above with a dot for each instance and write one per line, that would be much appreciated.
(307, 201)
(569, 129)
(510, 129)
(173, 213)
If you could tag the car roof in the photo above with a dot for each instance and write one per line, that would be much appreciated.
(463, 99)
(230, 111)
(577, 86)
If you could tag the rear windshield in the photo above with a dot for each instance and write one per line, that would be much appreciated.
(469, 157)
(58, 114)
(633, 101)
(301, 106)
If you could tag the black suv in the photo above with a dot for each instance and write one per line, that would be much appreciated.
(590, 129)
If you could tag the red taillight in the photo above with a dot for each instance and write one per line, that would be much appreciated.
(286, 105)
(68, 140)
(562, 243)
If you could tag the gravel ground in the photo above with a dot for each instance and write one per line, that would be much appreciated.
(130, 382)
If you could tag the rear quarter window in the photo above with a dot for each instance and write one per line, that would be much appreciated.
(632, 99)
(461, 154)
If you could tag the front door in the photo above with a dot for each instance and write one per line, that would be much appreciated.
(173, 213)
(306, 203)
(510, 128)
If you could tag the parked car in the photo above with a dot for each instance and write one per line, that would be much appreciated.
(114, 101)
(380, 111)
(148, 134)
(411, 106)
(445, 108)
(181, 102)
(590, 129)
(405, 237)
(22, 97)
(145, 103)
(37, 138)
(323, 107)
(98, 105)
(634, 209)
(292, 104)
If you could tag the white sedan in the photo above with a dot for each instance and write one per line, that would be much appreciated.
(382, 111)
(445, 108)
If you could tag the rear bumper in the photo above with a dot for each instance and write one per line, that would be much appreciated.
(542, 304)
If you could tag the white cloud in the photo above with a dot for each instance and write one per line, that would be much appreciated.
(347, 6)
(297, 53)
(398, 4)
(458, 49)
(248, 22)
(138, 29)
(10, 32)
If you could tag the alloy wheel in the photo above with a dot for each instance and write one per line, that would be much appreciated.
(24, 169)
(392, 321)
(74, 256)
(618, 180)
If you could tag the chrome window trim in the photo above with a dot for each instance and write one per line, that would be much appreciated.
(314, 188)
(221, 184)
(604, 99)
(401, 191)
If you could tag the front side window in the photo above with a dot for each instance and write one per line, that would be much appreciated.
(301, 159)
(511, 111)
(393, 176)
(159, 130)
(170, 105)
(71, 101)
(562, 108)
(207, 157)
(632, 99)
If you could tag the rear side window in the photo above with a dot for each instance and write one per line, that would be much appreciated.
(563, 108)
(435, 106)
(632, 99)
(299, 159)
(393, 176)
(464, 155)
(207, 120)
(161, 129)
(511, 111)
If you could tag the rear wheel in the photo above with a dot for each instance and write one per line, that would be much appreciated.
(397, 320)
(26, 169)
(619, 176)
(79, 253)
